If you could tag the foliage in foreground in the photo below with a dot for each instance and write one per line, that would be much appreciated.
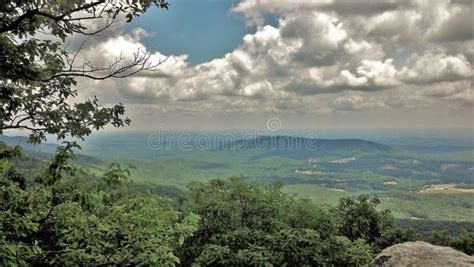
(62, 220)
(243, 224)
(246, 224)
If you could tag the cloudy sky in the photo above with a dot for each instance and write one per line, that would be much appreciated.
(313, 64)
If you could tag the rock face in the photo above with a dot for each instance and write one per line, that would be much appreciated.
(421, 254)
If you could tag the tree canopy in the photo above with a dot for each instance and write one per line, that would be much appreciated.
(243, 224)
(38, 73)
(63, 215)
(80, 221)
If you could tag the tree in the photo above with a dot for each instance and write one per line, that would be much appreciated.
(37, 75)
(361, 220)
(75, 222)
(57, 217)
(243, 224)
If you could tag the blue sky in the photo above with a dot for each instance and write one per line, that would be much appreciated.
(204, 29)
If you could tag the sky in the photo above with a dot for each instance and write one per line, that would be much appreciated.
(202, 29)
(310, 64)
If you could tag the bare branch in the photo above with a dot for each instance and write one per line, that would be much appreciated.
(140, 62)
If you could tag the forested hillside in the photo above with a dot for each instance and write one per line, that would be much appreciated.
(63, 214)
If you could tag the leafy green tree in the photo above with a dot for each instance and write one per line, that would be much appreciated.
(97, 223)
(392, 236)
(463, 242)
(57, 217)
(340, 251)
(37, 75)
(245, 224)
(361, 220)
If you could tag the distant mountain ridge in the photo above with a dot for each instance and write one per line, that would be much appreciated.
(301, 147)
(13, 140)
(23, 142)
(44, 151)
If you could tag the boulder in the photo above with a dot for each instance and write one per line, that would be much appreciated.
(421, 254)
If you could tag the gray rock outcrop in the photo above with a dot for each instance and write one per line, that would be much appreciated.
(421, 254)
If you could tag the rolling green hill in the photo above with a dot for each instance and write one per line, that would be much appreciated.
(323, 169)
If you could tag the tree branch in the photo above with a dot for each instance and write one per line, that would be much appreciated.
(29, 15)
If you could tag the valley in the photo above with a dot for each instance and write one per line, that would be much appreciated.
(413, 183)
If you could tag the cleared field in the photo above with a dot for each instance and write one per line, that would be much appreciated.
(403, 205)
(329, 196)
(446, 188)
(452, 207)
